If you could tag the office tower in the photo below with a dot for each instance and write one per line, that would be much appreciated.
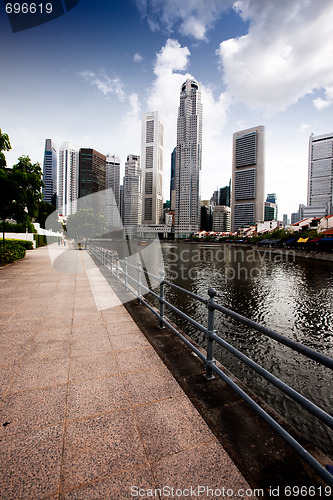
(285, 219)
(132, 192)
(92, 166)
(50, 173)
(112, 187)
(224, 197)
(248, 177)
(68, 180)
(221, 218)
(172, 180)
(215, 198)
(294, 217)
(320, 174)
(271, 207)
(152, 168)
(188, 159)
(206, 217)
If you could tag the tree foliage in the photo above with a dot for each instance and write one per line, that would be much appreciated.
(85, 224)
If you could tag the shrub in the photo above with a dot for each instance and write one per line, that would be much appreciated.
(27, 244)
(12, 251)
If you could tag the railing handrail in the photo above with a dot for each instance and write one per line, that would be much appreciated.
(211, 336)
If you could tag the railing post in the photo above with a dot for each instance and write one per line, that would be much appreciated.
(117, 266)
(126, 275)
(139, 283)
(210, 329)
(161, 324)
(111, 262)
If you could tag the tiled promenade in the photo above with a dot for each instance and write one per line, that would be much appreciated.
(88, 409)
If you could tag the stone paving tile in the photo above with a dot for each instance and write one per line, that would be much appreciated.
(90, 330)
(155, 385)
(30, 464)
(93, 397)
(123, 485)
(91, 319)
(49, 350)
(31, 409)
(138, 359)
(91, 346)
(211, 467)
(129, 341)
(7, 374)
(99, 447)
(13, 354)
(123, 328)
(41, 373)
(170, 426)
(52, 334)
(95, 366)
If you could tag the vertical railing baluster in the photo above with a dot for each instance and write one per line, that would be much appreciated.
(117, 266)
(139, 283)
(126, 275)
(161, 324)
(210, 329)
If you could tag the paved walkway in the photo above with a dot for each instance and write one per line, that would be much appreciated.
(88, 409)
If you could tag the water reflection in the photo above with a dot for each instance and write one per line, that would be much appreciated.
(293, 297)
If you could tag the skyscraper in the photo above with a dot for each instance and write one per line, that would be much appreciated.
(50, 173)
(68, 180)
(172, 180)
(224, 198)
(320, 176)
(112, 186)
(188, 159)
(132, 192)
(271, 208)
(152, 168)
(91, 171)
(248, 177)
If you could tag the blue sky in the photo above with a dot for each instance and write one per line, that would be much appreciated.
(88, 76)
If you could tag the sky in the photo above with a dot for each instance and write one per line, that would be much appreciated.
(88, 76)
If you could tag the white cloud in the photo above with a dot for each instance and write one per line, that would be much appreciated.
(105, 84)
(191, 18)
(285, 55)
(137, 58)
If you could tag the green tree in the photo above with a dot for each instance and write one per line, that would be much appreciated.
(85, 224)
(20, 189)
(44, 210)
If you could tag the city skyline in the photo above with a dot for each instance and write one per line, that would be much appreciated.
(257, 64)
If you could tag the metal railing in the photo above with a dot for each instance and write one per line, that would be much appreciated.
(120, 269)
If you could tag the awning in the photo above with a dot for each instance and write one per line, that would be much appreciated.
(302, 240)
(290, 240)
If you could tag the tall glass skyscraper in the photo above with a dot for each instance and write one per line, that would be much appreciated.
(248, 178)
(50, 173)
(152, 168)
(112, 187)
(68, 179)
(320, 180)
(188, 159)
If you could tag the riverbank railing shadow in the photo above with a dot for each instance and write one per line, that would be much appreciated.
(135, 279)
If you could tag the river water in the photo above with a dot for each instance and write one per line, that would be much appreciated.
(291, 296)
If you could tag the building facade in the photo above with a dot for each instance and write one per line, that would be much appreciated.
(188, 159)
(67, 179)
(224, 197)
(92, 167)
(132, 194)
(320, 174)
(248, 177)
(221, 218)
(50, 173)
(112, 187)
(152, 133)
(173, 180)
